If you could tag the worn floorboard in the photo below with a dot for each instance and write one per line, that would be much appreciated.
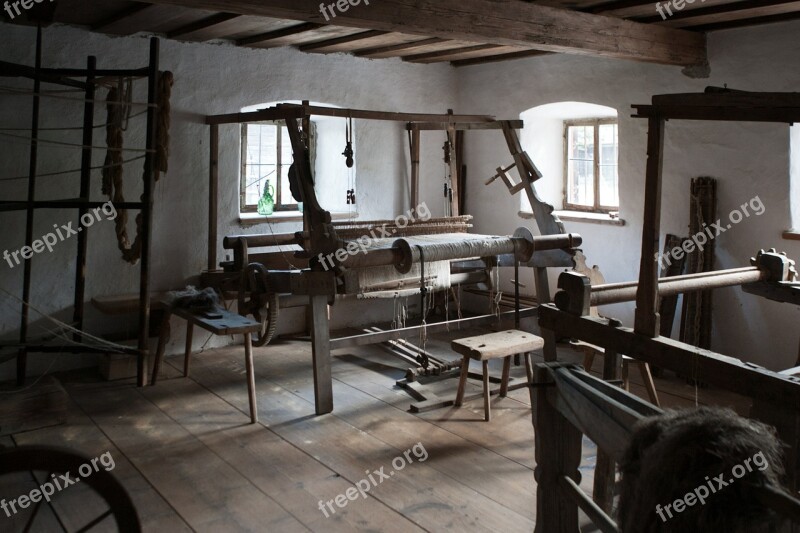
(187, 454)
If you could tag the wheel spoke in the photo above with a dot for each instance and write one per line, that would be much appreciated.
(94, 522)
(33, 517)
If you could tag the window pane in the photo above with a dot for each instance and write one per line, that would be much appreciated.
(580, 165)
(609, 178)
(286, 162)
(261, 160)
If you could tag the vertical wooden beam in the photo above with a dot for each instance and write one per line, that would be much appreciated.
(462, 171)
(451, 137)
(605, 471)
(147, 215)
(85, 192)
(558, 454)
(647, 318)
(213, 196)
(415, 143)
(321, 353)
(22, 356)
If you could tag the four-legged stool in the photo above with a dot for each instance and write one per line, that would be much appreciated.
(218, 322)
(483, 348)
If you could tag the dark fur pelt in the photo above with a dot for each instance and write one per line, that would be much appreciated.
(671, 455)
(193, 299)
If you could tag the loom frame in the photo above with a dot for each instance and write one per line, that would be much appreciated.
(319, 235)
(65, 77)
(567, 404)
(775, 395)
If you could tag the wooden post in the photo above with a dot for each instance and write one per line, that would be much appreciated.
(415, 141)
(213, 196)
(647, 319)
(451, 137)
(321, 352)
(558, 454)
(22, 355)
(85, 192)
(605, 468)
(147, 215)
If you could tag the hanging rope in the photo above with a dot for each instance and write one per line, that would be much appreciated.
(118, 108)
(165, 82)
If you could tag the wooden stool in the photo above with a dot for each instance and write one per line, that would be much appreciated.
(589, 353)
(483, 348)
(218, 322)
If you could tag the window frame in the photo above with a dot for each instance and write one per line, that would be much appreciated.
(243, 206)
(595, 123)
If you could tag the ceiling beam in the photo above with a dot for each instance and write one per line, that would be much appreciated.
(338, 44)
(116, 21)
(200, 25)
(454, 54)
(508, 23)
(734, 11)
(277, 34)
(741, 23)
(500, 57)
(617, 5)
(398, 49)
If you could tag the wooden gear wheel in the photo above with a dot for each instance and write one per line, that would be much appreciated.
(256, 298)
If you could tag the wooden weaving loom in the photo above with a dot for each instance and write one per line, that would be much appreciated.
(417, 259)
(772, 275)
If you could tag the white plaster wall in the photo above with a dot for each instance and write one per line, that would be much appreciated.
(747, 159)
(209, 79)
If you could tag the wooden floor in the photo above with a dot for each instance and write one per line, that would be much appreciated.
(187, 454)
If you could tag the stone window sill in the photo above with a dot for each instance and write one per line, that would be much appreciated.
(581, 216)
(253, 219)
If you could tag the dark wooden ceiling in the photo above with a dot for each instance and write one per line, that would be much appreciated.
(310, 33)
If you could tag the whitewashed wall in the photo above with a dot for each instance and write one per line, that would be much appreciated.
(747, 159)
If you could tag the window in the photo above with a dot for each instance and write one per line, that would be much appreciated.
(266, 158)
(590, 165)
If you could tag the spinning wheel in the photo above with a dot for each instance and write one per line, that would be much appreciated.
(257, 298)
(50, 461)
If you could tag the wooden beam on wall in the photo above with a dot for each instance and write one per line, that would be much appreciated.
(509, 23)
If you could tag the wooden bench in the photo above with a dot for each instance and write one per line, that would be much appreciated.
(498, 345)
(218, 322)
